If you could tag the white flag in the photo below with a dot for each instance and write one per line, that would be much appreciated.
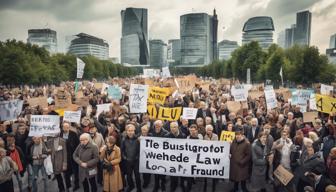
(80, 68)
(281, 72)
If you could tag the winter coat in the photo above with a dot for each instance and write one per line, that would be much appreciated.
(259, 166)
(87, 154)
(313, 164)
(58, 155)
(112, 180)
(130, 148)
(71, 144)
(240, 160)
(331, 168)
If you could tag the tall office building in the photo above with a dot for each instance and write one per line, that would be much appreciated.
(303, 28)
(45, 38)
(158, 53)
(281, 41)
(198, 34)
(86, 44)
(289, 36)
(225, 48)
(331, 52)
(174, 51)
(258, 29)
(134, 49)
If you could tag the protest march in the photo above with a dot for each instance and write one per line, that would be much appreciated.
(170, 133)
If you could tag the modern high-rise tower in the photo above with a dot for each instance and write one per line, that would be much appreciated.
(303, 28)
(134, 49)
(258, 29)
(198, 32)
(45, 38)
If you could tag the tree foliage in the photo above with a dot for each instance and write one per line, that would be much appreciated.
(22, 63)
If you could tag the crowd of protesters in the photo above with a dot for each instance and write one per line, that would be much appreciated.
(104, 149)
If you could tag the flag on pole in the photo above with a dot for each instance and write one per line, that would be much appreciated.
(281, 75)
(80, 68)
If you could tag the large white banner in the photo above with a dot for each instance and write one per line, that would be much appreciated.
(80, 68)
(184, 157)
(72, 116)
(10, 110)
(44, 125)
(103, 108)
(239, 92)
(271, 101)
(138, 98)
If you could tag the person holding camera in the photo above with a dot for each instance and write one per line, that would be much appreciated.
(111, 156)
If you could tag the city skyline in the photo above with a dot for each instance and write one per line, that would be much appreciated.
(102, 19)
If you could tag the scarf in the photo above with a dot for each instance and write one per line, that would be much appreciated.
(16, 158)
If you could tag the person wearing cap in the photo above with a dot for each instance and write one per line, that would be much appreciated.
(240, 157)
(51, 109)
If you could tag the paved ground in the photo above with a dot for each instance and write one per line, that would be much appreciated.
(222, 186)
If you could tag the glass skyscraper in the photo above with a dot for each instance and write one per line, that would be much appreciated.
(331, 52)
(289, 36)
(303, 27)
(258, 29)
(134, 49)
(174, 51)
(198, 32)
(45, 38)
(85, 44)
(158, 53)
(225, 48)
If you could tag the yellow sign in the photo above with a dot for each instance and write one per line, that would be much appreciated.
(325, 103)
(157, 95)
(227, 136)
(164, 113)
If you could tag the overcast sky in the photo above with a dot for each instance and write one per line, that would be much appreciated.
(101, 18)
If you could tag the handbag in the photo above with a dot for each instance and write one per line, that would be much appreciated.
(108, 165)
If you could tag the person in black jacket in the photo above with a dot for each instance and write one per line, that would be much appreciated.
(177, 134)
(130, 151)
(158, 131)
(71, 141)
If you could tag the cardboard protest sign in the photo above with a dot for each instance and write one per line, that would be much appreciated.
(283, 175)
(98, 86)
(83, 101)
(62, 99)
(189, 113)
(10, 110)
(239, 92)
(79, 94)
(157, 95)
(184, 157)
(80, 68)
(44, 125)
(271, 101)
(114, 92)
(138, 98)
(309, 116)
(326, 89)
(233, 106)
(227, 136)
(41, 101)
(72, 116)
(164, 113)
(186, 83)
(325, 104)
(103, 108)
(255, 94)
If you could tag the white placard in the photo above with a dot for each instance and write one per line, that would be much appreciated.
(138, 98)
(165, 72)
(189, 113)
(102, 108)
(10, 110)
(72, 116)
(312, 102)
(326, 89)
(44, 125)
(271, 101)
(239, 92)
(184, 157)
(80, 68)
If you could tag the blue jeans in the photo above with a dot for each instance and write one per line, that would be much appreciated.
(36, 169)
